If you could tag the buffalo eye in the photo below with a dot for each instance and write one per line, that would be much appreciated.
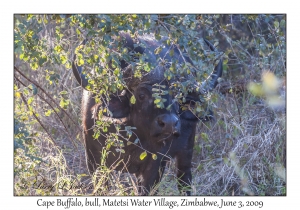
(192, 104)
(141, 96)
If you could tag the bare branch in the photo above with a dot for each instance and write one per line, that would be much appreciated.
(37, 85)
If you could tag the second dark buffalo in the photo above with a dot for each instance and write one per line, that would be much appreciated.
(166, 133)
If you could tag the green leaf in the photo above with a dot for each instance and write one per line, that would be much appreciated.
(80, 62)
(255, 89)
(157, 36)
(156, 101)
(158, 50)
(282, 24)
(147, 67)
(104, 129)
(58, 49)
(117, 72)
(160, 105)
(30, 100)
(169, 107)
(33, 88)
(129, 133)
(132, 99)
(48, 113)
(171, 52)
(64, 103)
(208, 22)
(193, 25)
(204, 136)
(29, 16)
(63, 59)
(63, 92)
(34, 66)
(68, 65)
(154, 156)
(143, 155)
(42, 60)
(198, 109)
(125, 50)
(22, 56)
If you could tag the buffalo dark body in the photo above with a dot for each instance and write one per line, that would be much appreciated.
(164, 132)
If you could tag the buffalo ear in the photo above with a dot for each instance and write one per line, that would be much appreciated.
(117, 105)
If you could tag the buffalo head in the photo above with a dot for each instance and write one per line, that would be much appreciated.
(162, 129)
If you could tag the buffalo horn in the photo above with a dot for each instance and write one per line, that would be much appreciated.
(211, 82)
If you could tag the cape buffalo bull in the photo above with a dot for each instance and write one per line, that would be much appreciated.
(161, 131)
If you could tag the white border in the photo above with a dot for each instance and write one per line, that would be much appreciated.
(8, 201)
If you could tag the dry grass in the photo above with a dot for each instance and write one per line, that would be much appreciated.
(242, 152)
(244, 155)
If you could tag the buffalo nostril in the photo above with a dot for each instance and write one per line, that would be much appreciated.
(168, 124)
(176, 133)
(160, 123)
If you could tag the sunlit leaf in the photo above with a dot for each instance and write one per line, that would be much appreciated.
(282, 23)
(58, 48)
(30, 100)
(63, 92)
(68, 65)
(132, 99)
(143, 155)
(48, 113)
(156, 101)
(80, 62)
(158, 50)
(34, 66)
(154, 156)
(18, 94)
(63, 59)
(204, 136)
(33, 88)
(270, 81)
(255, 89)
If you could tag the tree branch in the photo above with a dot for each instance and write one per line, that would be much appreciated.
(52, 140)
(37, 85)
(54, 111)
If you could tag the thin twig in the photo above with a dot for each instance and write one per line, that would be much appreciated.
(37, 85)
(237, 106)
(52, 140)
(54, 111)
